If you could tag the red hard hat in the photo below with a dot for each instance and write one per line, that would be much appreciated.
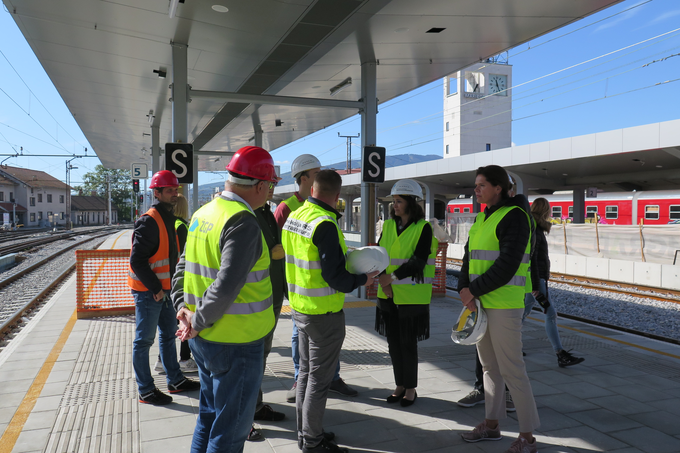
(163, 178)
(253, 162)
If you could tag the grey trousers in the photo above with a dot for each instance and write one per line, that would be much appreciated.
(321, 338)
(500, 352)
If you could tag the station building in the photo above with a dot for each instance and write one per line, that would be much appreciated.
(35, 197)
(92, 210)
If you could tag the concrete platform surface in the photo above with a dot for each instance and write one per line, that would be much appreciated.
(67, 385)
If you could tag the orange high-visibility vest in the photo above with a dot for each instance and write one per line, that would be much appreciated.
(160, 261)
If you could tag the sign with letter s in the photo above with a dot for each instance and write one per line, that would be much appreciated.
(373, 164)
(179, 159)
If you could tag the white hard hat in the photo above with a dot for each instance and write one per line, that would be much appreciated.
(302, 163)
(365, 260)
(470, 327)
(407, 187)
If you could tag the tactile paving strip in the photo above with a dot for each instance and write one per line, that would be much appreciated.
(99, 410)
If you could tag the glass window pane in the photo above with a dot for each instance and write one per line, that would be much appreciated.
(674, 212)
(611, 212)
(652, 212)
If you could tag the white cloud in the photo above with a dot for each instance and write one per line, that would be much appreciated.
(632, 12)
(664, 16)
(281, 162)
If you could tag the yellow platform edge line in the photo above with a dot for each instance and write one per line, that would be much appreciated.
(16, 425)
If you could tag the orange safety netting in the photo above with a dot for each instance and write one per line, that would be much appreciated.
(101, 283)
(439, 284)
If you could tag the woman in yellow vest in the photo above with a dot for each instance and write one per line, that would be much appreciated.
(403, 312)
(495, 271)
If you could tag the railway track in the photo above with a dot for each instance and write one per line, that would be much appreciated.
(28, 244)
(12, 311)
(615, 327)
(650, 292)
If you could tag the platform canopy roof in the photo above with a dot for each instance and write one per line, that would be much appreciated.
(637, 158)
(104, 57)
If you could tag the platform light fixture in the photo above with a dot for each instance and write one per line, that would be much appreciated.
(160, 72)
(341, 86)
(173, 7)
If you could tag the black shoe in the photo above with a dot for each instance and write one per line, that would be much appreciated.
(340, 387)
(327, 436)
(325, 447)
(268, 414)
(185, 385)
(254, 435)
(564, 359)
(406, 403)
(395, 398)
(155, 397)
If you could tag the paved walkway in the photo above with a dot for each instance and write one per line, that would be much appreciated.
(68, 386)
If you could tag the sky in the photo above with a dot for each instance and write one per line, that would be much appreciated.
(615, 69)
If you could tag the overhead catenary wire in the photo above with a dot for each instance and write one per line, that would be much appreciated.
(669, 34)
(558, 109)
(552, 96)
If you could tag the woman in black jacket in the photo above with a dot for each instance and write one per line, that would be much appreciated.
(494, 271)
(403, 311)
(540, 274)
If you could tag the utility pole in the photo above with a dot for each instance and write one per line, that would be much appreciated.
(67, 200)
(108, 195)
(349, 138)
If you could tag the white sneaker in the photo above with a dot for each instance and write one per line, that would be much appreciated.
(188, 366)
(158, 368)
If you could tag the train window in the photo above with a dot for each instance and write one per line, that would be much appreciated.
(611, 212)
(674, 212)
(466, 209)
(652, 212)
(456, 209)
(557, 212)
(571, 212)
(590, 212)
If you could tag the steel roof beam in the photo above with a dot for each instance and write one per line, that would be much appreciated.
(265, 99)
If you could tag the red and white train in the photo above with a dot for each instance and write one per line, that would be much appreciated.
(658, 207)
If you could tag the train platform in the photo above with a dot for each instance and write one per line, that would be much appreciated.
(67, 385)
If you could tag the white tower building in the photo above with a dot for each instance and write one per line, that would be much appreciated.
(478, 109)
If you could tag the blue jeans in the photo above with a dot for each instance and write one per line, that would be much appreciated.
(550, 316)
(231, 375)
(149, 316)
(295, 346)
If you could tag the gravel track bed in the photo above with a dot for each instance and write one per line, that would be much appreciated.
(632, 312)
(34, 255)
(18, 293)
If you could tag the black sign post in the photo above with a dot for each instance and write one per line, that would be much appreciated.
(373, 164)
(179, 159)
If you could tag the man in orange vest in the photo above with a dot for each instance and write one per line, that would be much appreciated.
(153, 258)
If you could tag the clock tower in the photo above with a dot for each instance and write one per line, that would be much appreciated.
(478, 109)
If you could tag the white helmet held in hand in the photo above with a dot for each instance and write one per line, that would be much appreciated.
(365, 260)
(302, 163)
(407, 187)
(470, 327)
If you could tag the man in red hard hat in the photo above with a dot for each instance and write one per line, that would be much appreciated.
(223, 296)
(153, 259)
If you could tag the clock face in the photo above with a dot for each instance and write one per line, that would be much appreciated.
(498, 84)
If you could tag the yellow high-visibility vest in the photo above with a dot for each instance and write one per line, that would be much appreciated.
(251, 316)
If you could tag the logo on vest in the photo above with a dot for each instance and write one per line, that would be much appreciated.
(194, 225)
(298, 227)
